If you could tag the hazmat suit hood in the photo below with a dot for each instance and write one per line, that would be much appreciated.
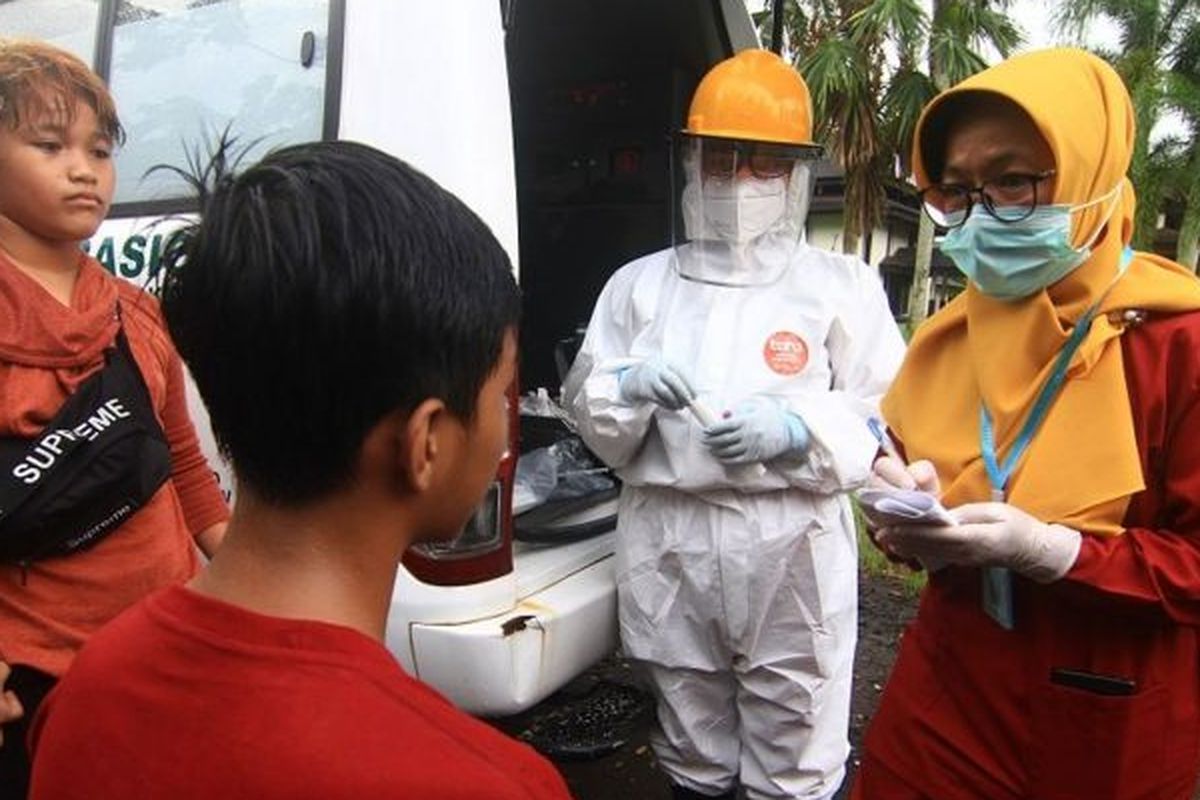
(741, 224)
(742, 173)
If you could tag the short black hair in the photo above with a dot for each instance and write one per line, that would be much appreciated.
(935, 132)
(942, 121)
(321, 289)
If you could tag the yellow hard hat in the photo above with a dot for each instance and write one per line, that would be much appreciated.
(754, 95)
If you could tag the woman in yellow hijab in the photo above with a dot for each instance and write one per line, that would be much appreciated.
(1055, 408)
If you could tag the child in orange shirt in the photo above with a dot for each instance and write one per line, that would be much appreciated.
(104, 494)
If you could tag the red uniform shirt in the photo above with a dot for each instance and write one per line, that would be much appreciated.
(970, 711)
(188, 697)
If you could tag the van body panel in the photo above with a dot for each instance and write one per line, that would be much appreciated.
(504, 664)
(440, 105)
(539, 566)
(454, 637)
(535, 567)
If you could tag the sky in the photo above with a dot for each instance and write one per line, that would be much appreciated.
(1036, 18)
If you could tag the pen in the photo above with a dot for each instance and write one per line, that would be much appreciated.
(885, 441)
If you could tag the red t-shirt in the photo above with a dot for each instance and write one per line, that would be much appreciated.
(184, 696)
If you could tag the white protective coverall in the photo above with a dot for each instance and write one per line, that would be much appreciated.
(738, 586)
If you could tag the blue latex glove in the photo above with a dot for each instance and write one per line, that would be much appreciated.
(656, 381)
(759, 430)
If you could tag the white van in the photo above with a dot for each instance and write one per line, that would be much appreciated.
(549, 118)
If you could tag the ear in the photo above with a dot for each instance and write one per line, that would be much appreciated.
(423, 441)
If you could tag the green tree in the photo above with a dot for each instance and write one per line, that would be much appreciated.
(872, 65)
(1175, 162)
(1171, 177)
(960, 32)
(1158, 55)
(844, 70)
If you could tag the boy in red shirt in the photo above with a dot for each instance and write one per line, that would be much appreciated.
(74, 339)
(351, 328)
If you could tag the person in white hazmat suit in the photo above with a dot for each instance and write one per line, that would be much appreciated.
(729, 380)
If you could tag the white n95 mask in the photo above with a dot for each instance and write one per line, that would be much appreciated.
(742, 210)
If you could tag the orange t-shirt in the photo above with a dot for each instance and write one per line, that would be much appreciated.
(46, 350)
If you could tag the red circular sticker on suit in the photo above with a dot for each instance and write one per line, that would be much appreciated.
(785, 353)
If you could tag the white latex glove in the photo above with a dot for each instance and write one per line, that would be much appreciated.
(758, 430)
(892, 473)
(656, 381)
(993, 535)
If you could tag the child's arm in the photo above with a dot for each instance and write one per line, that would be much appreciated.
(10, 706)
(203, 505)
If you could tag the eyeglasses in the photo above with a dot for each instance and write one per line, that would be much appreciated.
(1011, 197)
(725, 157)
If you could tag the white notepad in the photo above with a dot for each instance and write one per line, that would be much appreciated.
(903, 507)
(884, 507)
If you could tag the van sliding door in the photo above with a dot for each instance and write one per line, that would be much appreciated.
(598, 89)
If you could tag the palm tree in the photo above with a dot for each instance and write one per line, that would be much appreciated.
(959, 32)
(1158, 57)
(1174, 163)
(843, 68)
(1189, 228)
(866, 108)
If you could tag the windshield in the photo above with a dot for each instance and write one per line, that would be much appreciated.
(184, 71)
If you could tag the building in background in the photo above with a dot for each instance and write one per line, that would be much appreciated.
(890, 246)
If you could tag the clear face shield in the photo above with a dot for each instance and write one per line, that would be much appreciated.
(743, 205)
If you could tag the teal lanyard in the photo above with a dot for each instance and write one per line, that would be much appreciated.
(999, 472)
(997, 582)
(997, 593)
(997, 590)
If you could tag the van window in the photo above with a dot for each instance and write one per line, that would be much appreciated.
(181, 76)
(70, 24)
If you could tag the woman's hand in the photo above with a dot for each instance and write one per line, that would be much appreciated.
(892, 473)
(889, 472)
(989, 535)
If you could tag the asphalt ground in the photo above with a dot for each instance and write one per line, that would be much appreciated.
(596, 731)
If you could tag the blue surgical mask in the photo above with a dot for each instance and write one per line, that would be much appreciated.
(1012, 260)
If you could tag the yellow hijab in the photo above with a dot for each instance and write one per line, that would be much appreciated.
(1083, 464)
